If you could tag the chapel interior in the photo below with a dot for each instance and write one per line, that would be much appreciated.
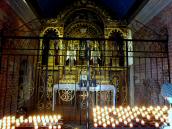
(72, 57)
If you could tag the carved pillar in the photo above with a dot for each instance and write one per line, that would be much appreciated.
(106, 35)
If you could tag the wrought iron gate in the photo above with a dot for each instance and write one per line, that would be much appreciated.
(32, 66)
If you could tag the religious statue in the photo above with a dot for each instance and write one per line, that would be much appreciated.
(83, 78)
(95, 55)
(71, 56)
(166, 92)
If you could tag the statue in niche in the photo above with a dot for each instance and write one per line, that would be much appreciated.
(82, 49)
(119, 40)
(71, 56)
(118, 46)
(83, 78)
(45, 51)
(26, 85)
(46, 46)
(95, 55)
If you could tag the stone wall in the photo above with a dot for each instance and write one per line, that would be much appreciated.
(10, 64)
(148, 92)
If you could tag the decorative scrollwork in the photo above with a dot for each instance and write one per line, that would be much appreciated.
(40, 106)
(49, 105)
(66, 95)
(84, 100)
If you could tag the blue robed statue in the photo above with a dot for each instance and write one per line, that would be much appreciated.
(166, 92)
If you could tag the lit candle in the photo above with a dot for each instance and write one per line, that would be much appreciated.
(117, 122)
(99, 117)
(128, 108)
(59, 126)
(137, 120)
(142, 122)
(104, 125)
(121, 108)
(138, 112)
(119, 115)
(34, 118)
(98, 112)
(135, 114)
(113, 125)
(103, 114)
(26, 121)
(128, 119)
(108, 122)
(13, 120)
(123, 117)
(132, 117)
(50, 127)
(103, 120)
(100, 122)
(54, 117)
(148, 117)
(131, 125)
(130, 113)
(59, 117)
(42, 118)
(153, 112)
(156, 117)
(162, 120)
(17, 122)
(95, 125)
(94, 114)
(51, 119)
(95, 120)
(12, 127)
(113, 107)
(94, 109)
(143, 108)
(120, 119)
(112, 119)
(125, 122)
(21, 119)
(105, 108)
(122, 112)
(110, 110)
(117, 110)
(0, 123)
(97, 107)
(107, 117)
(136, 108)
(143, 115)
(156, 125)
(44, 124)
(36, 127)
(133, 109)
(158, 107)
(106, 113)
(151, 108)
(30, 119)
